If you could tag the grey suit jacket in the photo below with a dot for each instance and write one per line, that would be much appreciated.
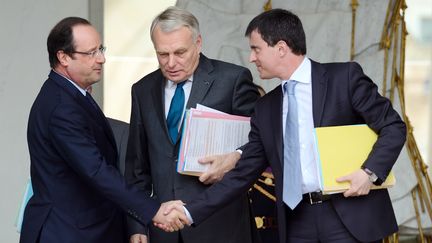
(151, 156)
(121, 133)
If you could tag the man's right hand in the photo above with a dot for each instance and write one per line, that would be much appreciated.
(171, 216)
(138, 238)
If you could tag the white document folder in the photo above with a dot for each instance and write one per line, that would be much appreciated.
(208, 133)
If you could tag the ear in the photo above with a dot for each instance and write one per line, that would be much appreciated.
(199, 43)
(63, 58)
(282, 48)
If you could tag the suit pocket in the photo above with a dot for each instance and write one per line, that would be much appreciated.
(95, 215)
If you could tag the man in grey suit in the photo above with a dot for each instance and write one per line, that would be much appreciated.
(154, 137)
(121, 133)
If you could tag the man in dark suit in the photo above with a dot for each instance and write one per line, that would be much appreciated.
(322, 95)
(120, 131)
(79, 195)
(154, 141)
(121, 134)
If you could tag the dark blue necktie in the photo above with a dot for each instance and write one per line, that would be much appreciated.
(292, 175)
(176, 111)
(92, 102)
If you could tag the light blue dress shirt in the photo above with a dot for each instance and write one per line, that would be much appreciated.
(308, 152)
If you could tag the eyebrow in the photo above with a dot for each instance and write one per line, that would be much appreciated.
(95, 48)
(180, 50)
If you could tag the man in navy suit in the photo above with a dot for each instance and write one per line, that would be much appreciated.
(329, 94)
(79, 195)
(121, 134)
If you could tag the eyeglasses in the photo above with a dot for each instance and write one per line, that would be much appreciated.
(93, 54)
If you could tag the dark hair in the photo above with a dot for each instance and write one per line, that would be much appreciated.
(280, 25)
(61, 38)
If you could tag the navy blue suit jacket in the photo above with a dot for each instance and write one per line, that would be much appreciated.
(79, 195)
(342, 95)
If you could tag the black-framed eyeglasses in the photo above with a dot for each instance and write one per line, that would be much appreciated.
(93, 54)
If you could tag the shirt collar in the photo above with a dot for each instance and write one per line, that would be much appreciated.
(302, 74)
(83, 91)
(171, 84)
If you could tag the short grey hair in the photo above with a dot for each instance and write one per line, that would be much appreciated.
(174, 18)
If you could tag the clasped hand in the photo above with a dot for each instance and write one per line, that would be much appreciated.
(171, 216)
(219, 165)
(359, 183)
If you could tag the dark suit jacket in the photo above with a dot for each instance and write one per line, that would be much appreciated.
(78, 192)
(342, 95)
(121, 134)
(151, 157)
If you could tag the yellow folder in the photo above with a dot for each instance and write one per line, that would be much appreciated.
(341, 151)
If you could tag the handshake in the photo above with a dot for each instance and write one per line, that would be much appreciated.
(171, 216)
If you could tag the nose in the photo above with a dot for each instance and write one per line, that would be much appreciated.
(171, 61)
(252, 57)
(101, 58)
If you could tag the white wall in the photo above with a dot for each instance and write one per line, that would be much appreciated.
(24, 27)
(130, 54)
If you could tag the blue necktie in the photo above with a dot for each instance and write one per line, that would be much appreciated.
(176, 111)
(292, 177)
(91, 101)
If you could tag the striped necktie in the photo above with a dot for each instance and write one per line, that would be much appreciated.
(292, 175)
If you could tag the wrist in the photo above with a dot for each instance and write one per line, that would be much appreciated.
(239, 151)
(373, 178)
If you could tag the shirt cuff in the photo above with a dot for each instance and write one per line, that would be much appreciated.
(188, 215)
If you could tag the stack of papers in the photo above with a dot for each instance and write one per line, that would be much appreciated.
(209, 132)
(341, 151)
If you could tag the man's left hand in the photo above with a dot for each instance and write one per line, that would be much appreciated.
(219, 165)
(360, 184)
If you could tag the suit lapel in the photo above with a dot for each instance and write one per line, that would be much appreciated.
(319, 91)
(201, 84)
(100, 118)
(93, 112)
(276, 124)
(202, 81)
(76, 94)
(158, 90)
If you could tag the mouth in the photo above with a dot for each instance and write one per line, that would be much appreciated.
(172, 72)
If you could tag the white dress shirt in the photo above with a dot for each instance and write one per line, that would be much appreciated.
(170, 88)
